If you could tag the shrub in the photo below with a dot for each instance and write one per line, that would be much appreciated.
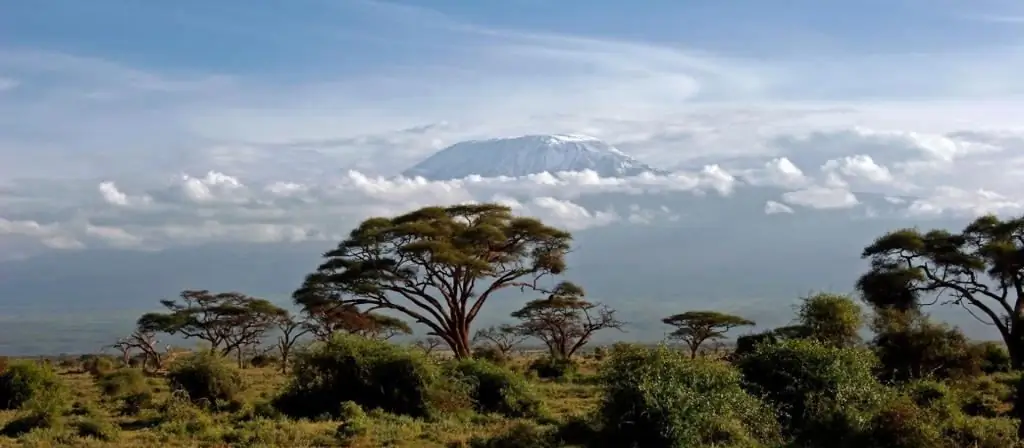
(206, 379)
(662, 398)
(25, 381)
(96, 427)
(123, 381)
(97, 365)
(519, 435)
(496, 389)
(30, 421)
(353, 423)
(901, 424)
(490, 353)
(260, 361)
(373, 374)
(816, 389)
(599, 353)
(992, 357)
(551, 367)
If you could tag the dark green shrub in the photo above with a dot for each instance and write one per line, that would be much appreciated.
(353, 423)
(491, 354)
(662, 398)
(97, 365)
(913, 347)
(520, 435)
(206, 379)
(260, 361)
(496, 389)
(551, 367)
(986, 397)
(979, 432)
(25, 381)
(816, 389)
(900, 423)
(30, 421)
(373, 374)
(96, 427)
(992, 356)
(123, 381)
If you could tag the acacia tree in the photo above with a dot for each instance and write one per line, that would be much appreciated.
(229, 321)
(564, 321)
(502, 337)
(289, 331)
(325, 318)
(833, 319)
(980, 269)
(693, 328)
(438, 265)
(428, 345)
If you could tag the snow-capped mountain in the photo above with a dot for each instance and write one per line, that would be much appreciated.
(528, 154)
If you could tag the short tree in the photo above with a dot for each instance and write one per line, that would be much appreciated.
(503, 338)
(438, 265)
(229, 322)
(833, 319)
(564, 321)
(429, 344)
(980, 268)
(327, 318)
(289, 330)
(693, 328)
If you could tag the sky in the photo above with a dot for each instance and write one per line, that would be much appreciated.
(140, 125)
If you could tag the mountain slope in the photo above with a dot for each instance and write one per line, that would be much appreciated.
(528, 154)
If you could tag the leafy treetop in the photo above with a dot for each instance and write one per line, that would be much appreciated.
(696, 327)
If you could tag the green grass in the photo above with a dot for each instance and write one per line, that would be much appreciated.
(94, 417)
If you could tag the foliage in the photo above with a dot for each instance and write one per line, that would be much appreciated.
(519, 435)
(23, 382)
(438, 265)
(98, 365)
(992, 356)
(373, 374)
(123, 382)
(564, 321)
(496, 389)
(910, 346)
(326, 316)
(815, 388)
(551, 367)
(206, 379)
(748, 343)
(491, 354)
(662, 398)
(831, 318)
(228, 321)
(696, 327)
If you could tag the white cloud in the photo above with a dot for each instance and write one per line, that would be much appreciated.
(774, 208)
(860, 167)
(821, 198)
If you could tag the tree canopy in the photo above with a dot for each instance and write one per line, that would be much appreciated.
(833, 319)
(564, 321)
(228, 321)
(693, 328)
(438, 265)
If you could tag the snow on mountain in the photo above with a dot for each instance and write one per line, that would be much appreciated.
(528, 154)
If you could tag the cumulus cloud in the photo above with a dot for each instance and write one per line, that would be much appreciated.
(821, 198)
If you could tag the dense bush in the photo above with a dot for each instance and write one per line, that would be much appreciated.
(496, 389)
(25, 381)
(992, 356)
(820, 392)
(519, 435)
(373, 374)
(490, 353)
(262, 360)
(910, 346)
(97, 365)
(206, 378)
(551, 367)
(662, 398)
(831, 319)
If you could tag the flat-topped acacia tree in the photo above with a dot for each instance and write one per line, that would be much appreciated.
(696, 327)
(438, 265)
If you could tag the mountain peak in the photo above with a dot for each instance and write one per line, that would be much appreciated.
(525, 155)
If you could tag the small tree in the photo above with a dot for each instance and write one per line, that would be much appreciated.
(124, 347)
(564, 321)
(693, 328)
(290, 330)
(831, 318)
(229, 322)
(438, 265)
(146, 342)
(502, 337)
(428, 345)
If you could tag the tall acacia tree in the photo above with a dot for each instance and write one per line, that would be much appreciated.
(564, 321)
(438, 265)
(980, 269)
(696, 327)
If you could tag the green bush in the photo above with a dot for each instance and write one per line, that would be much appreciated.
(662, 398)
(353, 423)
(260, 361)
(496, 389)
(97, 365)
(24, 381)
(206, 378)
(490, 353)
(901, 423)
(519, 435)
(817, 390)
(551, 367)
(123, 381)
(373, 374)
(992, 356)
